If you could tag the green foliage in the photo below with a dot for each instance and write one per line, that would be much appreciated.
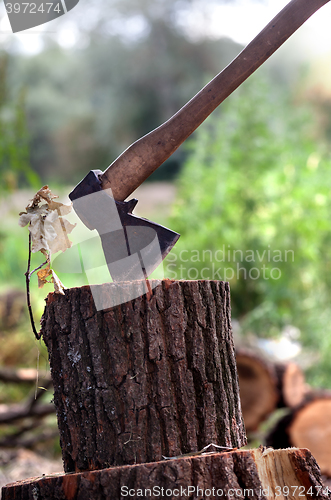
(86, 106)
(13, 252)
(14, 150)
(253, 208)
(15, 171)
(135, 64)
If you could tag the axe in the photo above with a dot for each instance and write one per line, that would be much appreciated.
(134, 246)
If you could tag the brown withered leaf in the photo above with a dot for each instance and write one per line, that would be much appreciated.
(62, 228)
(49, 230)
(47, 275)
(43, 194)
(43, 274)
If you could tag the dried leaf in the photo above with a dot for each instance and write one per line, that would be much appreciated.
(58, 286)
(62, 227)
(42, 231)
(43, 274)
(47, 275)
(60, 207)
(46, 194)
(43, 194)
(49, 230)
(24, 219)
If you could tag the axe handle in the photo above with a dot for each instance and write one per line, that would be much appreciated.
(144, 156)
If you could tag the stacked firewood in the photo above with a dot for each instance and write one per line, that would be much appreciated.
(306, 421)
(25, 417)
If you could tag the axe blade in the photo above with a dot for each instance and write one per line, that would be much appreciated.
(133, 246)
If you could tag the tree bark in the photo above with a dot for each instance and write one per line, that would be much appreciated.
(243, 474)
(152, 376)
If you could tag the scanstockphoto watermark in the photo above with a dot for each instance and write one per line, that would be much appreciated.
(213, 492)
(186, 492)
(227, 263)
(24, 15)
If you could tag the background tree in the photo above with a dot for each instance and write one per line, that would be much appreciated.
(14, 148)
(85, 107)
(257, 182)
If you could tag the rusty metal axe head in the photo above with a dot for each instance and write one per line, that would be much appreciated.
(129, 242)
(133, 246)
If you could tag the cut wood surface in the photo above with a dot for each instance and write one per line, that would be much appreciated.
(309, 426)
(254, 474)
(23, 375)
(265, 385)
(258, 387)
(153, 376)
(291, 384)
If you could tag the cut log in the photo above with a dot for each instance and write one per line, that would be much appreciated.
(258, 387)
(17, 411)
(23, 375)
(254, 474)
(265, 385)
(291, 384)
(12, 308)
(309, 426)
(154, 375)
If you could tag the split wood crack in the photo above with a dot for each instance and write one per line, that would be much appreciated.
(202, 452)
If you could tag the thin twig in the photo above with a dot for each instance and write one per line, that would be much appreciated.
(37, 377)
(27, 281)
(39, 267)
(32, 400)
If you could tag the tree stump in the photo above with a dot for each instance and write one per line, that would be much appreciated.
(242, 474)
(150, 377)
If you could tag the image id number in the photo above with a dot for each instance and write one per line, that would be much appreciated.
(32, 8)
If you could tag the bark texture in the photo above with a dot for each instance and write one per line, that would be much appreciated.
(152, 376)
(243, 474)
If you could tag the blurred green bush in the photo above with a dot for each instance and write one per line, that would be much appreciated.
(254, 208)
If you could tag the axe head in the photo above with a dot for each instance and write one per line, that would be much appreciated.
(133, 246)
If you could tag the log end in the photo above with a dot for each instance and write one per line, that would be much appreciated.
(307, 426)
(258, 388)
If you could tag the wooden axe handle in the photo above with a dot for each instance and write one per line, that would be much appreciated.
(144, 156)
